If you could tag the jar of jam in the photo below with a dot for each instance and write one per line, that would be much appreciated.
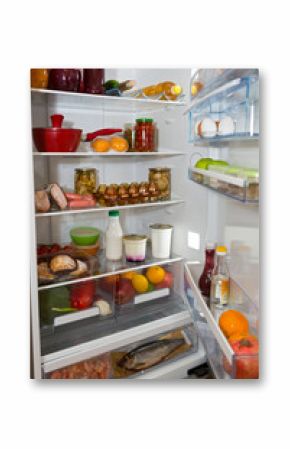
(162, 178)
(145, 138)
(39, 78)
(85, 181)
(94, 81)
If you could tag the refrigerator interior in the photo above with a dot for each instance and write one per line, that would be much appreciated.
(202, 216)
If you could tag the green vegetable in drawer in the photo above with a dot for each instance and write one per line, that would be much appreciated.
(54, 302)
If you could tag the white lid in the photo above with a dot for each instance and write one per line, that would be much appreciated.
(210, 245)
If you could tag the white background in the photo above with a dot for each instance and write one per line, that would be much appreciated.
(144, 33)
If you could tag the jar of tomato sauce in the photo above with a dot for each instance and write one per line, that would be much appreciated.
(145, 135)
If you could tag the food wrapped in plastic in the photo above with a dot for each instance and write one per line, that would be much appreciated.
(96, 368)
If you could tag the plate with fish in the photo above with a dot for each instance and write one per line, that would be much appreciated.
(149, 354)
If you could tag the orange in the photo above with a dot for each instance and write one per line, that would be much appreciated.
(140, 283)
(101, 145)
(128, 275)
(238, 336)
(233, 322)
(119, 144)
(155, 274)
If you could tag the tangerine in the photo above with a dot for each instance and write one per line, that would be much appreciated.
(155, 274)
(119, 144)
(233, 322)
(101, 145)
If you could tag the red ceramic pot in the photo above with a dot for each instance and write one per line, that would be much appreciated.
(64, 140)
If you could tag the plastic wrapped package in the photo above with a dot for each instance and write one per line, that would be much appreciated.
(96, 368)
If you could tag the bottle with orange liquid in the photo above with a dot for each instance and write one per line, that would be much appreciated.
(167, 90)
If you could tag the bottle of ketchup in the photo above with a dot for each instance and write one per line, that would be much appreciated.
(205, 278)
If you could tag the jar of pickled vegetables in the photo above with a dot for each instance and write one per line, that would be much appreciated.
(85, 181)
(162, 178)
(39, 78)
(145, 135)
(129, 135)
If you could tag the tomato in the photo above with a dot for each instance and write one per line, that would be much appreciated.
(82, 295)
(246, 351)
(42, 249)
(55, 248)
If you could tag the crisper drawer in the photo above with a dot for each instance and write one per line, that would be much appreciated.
(225, 362)
(176, 351)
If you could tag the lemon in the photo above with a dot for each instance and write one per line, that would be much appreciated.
(140, 283)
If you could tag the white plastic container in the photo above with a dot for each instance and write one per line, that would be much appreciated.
(114, 235)
(135, 247)
(161, 236)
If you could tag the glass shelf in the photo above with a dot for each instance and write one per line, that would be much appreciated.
(57, 213)
(109, 155)
(100, 267)
(109, 103)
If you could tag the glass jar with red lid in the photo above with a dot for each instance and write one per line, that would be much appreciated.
(145, 135)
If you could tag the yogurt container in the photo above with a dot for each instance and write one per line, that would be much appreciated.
(135, 247)
(161, 235)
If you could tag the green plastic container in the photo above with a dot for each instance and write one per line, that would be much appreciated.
(85, 236)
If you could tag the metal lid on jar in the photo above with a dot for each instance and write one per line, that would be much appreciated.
(158, 169)
(144, 120)
(160, 226)
(135, 237)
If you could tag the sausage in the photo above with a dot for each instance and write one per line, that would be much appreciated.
(78, 196)
(79, 204)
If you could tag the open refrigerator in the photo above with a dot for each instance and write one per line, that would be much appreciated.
(204, 206)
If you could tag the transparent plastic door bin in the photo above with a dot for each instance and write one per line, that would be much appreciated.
(99, 367)
(229, 113)
(237, 358)
(151, 352)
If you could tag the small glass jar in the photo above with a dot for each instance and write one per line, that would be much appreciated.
(145, 136)
(129, 135)
(162, 178)
(85, 181)
(39, 78)
(94, 81)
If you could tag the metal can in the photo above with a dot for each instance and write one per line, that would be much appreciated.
(161, 177)
(85, 181)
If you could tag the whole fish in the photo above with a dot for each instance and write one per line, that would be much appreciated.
(149, 354)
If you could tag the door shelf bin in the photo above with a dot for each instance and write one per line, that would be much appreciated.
(224, 362)
(238, 103)
(242, 189)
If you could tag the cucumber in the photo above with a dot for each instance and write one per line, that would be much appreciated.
(111, 84)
